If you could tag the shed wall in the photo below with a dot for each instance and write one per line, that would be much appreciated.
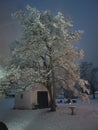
(29, 99)
(25, 101)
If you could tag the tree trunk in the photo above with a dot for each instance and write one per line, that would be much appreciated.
(53, 91)
(52, 101)
(93, 90)
(53, 105)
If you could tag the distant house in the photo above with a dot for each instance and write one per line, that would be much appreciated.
(37, 97)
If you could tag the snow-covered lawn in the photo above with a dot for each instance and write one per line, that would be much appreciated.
(86, 117)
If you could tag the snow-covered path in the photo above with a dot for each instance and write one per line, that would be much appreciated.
(40, 119)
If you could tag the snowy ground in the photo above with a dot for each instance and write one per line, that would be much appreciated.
(86, 117)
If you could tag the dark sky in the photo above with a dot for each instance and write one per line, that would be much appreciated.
(83, 12)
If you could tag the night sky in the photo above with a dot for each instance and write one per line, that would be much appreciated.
(83, 12)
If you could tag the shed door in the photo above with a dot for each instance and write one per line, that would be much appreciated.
(42, 99)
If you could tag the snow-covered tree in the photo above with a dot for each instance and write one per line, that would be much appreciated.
(94, 81)
(46, 52)
(86, 70)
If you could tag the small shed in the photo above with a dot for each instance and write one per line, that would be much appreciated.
(37, 97)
